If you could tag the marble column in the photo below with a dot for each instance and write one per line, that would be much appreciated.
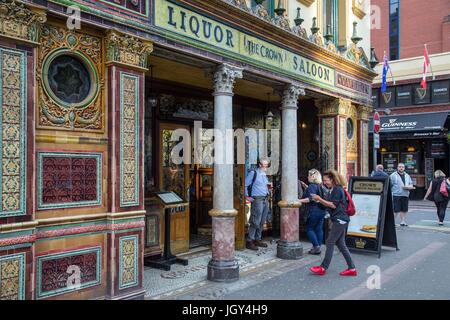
(289, 246)
(223, 266)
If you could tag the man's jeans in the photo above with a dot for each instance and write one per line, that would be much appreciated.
(314, 228)
(258, 217)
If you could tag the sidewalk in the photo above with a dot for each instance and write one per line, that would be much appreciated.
(423, 203)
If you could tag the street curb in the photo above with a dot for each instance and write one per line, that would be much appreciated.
(440, 229)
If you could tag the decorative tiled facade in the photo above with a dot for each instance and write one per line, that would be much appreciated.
(364, 149)
(69, 180)
(129, 140)
(12, 278)
(328, 143)
(152, 227)
(343, 146)
(69, 271)
(87, 50)
(128, 262)
(13, 119)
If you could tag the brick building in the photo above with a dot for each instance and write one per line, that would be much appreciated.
(414, 121)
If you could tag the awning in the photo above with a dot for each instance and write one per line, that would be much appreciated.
(422, 124)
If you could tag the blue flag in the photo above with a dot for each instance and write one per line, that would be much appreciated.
(385, 71)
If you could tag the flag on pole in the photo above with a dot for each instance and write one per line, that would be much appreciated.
(426, 64)
(385, 72)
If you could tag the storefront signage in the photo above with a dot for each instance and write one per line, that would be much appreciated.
(441, 91)
(388, 98)
(193, 26)
(404, 96)
(373, 224)
(347, 82)
(421, 95)
(390, 161)
(394, 124)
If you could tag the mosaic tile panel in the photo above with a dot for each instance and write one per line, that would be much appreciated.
(12, 278)
(13, 117)
(365, 149)
(66, 272)
(152, 228)
(343, 146)
(129, 140)
(328, 143)
(140, 7)
(69, 180)
(128, 263)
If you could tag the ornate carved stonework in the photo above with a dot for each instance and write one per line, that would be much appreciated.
(290, 96)
(261, 12)
(282, 22)
(334, 107)
(317, 38)
(357, 55)
(128, 50)
(18, 21)
(225, 77)
(57, 113)
(364, 112)
(300, 31)
(242, 4)
(329, 45)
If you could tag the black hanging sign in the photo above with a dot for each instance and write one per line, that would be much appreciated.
(373, 225)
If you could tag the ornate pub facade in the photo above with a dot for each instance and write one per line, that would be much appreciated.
(91, 93)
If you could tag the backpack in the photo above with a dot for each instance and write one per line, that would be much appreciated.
(351, 209)
(250, 187)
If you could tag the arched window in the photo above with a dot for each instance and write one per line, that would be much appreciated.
(331, 17)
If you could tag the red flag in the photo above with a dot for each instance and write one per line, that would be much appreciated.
(426, 64)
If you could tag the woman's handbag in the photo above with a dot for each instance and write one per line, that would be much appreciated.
(443, 189)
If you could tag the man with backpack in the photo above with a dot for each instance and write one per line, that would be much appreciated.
(342, 207)
(257, 192)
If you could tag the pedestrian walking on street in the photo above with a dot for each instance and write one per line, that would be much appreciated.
(315, 211)
(337, 202)
(438, 192)
(379, 172)
(401, 185)
(257, 192)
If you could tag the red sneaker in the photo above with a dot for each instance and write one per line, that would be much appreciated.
(320, 271)
(349, 273)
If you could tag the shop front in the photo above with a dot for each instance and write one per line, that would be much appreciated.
(420, 141)
(95, 116)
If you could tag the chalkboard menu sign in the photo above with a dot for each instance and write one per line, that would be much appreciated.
(404, 96)
(373, 225)
(411, 161)
(422, 96)
(390, 161)
(440, 91)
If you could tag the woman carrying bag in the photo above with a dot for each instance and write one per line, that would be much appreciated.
(438, 192)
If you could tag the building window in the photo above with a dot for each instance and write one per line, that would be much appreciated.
(331, 17)
(394, 29)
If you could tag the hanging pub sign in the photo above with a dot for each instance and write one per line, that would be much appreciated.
(421, 95)
(373, 225)
(387, 99)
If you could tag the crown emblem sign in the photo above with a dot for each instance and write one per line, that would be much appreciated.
(360, 243)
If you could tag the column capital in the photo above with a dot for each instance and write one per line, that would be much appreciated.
(364, 112)
(20, 21)
(127, 50)
(224, 77)
(334, 107)
(290, 94)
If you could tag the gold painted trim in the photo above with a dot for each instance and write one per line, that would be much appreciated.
(289, 204)
(359, 12)
(21, 226)
(70, 139)
(223, 213)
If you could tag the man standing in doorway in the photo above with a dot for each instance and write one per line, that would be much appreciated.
(257, 191)
(379, 172)
(401, 185)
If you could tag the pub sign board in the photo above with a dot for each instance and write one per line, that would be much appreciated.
(373, 225)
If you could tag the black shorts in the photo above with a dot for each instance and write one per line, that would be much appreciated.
(401, 204)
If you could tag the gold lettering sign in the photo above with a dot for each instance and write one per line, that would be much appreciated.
(202, 31)
(368, 186)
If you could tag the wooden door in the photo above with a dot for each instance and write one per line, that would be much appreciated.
(176, 178)
(239, 205)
